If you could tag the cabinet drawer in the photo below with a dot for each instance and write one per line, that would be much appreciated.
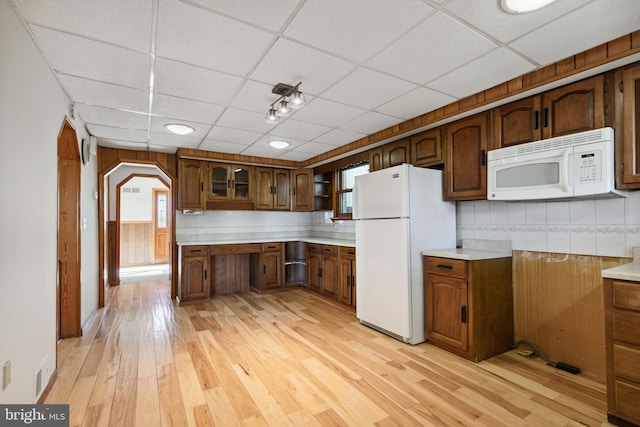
(314, 248)
(195, 250)
(272, 247)
(347, 252)
(329, 250)
(626, 327)
(627, 398)
(448, 266)
(626, 361)
(626, 295)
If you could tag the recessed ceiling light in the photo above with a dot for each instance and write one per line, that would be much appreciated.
(279, 144)
(179, 129)
(523, 6)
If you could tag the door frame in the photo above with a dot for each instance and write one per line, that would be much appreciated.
(69, 252)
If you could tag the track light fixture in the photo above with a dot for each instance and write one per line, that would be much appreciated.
(290, 98)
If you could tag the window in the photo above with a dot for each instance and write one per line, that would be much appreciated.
(346, 179)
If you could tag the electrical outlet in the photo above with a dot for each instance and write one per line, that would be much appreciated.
(6, 374)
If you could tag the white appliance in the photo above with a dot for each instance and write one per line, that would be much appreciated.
(398, 213)
(578, 165)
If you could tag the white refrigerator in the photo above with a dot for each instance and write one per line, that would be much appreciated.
(399, 212)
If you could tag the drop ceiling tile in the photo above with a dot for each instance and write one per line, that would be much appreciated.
(222, 147)
(185, 109)
(109, 117)
(355, 29)
(489, 17)
(295, 156)
(246, 120)
(196, 36)
(444, 43)
(327, 113)
(255, 96)
(371, 122)
(489, 70)
(291, 63)
(233, 136)
(368, 89)
(105, 94)
(339, 137)
(271, 14)
(313, 148)
(567, 36)
(94, 60)
(200, 130)
(162, 149)
(415, 103)
(261, 152)
(167, 140)
(120, 134)
(122, 22)
(188, 81)
(299, 130)
(111, 143)
(263, 142)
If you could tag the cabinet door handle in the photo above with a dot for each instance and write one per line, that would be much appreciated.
(319, 272)
(349, 281)
(205, 275)
(463, 314)
(202, 186)
(294, 191)
(195, 250)
(536, 119)
(448, 267)
(271, 247)
(233, 184)
(483, 157)
(545, 117)
(228, 183)
(264, 269)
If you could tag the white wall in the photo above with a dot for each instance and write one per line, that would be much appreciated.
(32, 110)
(606, 227)
(139, 206)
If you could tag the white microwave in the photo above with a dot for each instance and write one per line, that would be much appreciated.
(577, 165)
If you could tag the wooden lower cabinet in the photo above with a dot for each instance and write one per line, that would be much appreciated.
(194, 273)
(469, 306)
(322, 273)
(347, 276)
(267, 267)
(622, 341)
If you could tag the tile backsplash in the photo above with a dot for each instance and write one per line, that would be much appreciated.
(607, 227)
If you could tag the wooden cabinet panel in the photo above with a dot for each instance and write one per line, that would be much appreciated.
(469, 308)
(516, 123)
(314, 264)
(272, 191)
(395, 153)
(302, 183)
(330, 276)
(626, 361)
(465, 159)
(426, 148)
(229, 186)
(347, 281)
(267, 267)
(282, 192)
(194, 274)
(375, 159)
(574, 108)
(191, 193)
(444, 321)
(323, 269)
(627, 398)
(628, 127)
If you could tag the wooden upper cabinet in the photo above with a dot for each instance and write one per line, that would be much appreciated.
(426, 148)
(229, 182)
(272, 189)
(375, 159)
(395, 153)
(191, 192)
(516, 123)
(302, 190)
(466, 158)
(574, 108)
(627, 111)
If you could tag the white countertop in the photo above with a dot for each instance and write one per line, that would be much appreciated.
(629, 271)
(467, 254)
(190, 241)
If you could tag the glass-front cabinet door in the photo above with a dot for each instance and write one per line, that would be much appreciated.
(219, 181)
(240, 182)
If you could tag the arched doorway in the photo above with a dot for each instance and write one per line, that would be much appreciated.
(68, 246)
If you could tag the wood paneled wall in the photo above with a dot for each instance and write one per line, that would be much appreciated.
(112, 251)
(559, 305)
(136, 243)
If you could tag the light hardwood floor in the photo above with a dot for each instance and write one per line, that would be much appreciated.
(292, 358)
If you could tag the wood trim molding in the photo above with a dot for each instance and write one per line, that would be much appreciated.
(235, 158)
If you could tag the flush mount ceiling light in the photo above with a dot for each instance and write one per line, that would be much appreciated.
(179, 129)
(290, 98)
(523, 6)
(279, 144)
